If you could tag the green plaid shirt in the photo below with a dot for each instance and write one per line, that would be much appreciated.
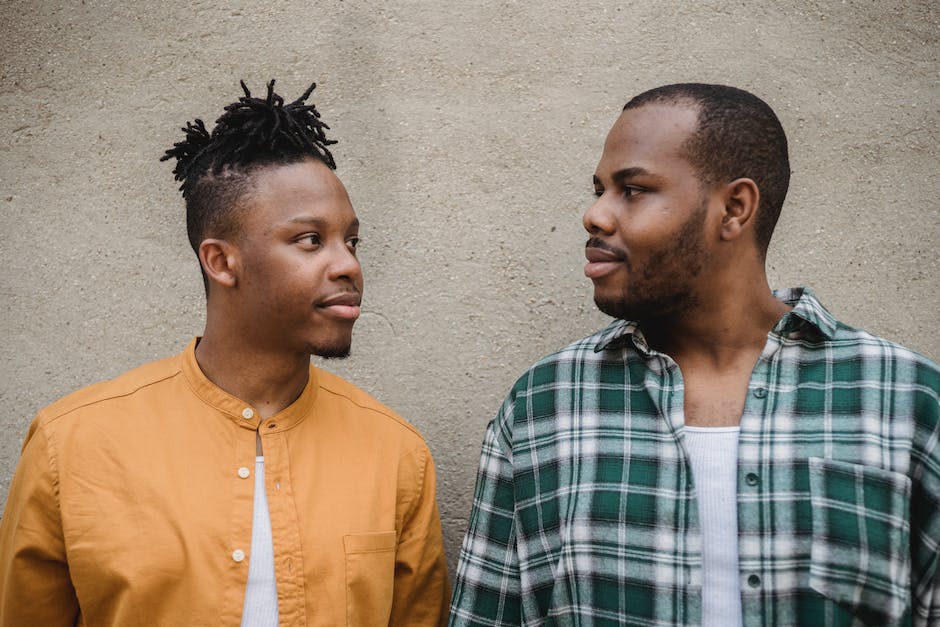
(585, 509)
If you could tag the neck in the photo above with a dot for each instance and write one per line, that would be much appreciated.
(730, 324)
(267, 380)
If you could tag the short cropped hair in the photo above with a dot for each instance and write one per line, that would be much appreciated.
(737, 136)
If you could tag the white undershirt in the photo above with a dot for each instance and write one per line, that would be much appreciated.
(260, 608)
(713, 453)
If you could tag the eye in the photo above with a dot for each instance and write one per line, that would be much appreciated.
(353, 243)
(630, 191)
(310, 240)
(598, 191)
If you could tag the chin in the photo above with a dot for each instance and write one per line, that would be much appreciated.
(651, 308)
(613, 308)
(339, 349)
(617, 304)
(614, 305)
(333, 354)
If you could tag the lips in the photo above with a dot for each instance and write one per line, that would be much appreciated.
(600, 255)
(344, 305)
(601, 261)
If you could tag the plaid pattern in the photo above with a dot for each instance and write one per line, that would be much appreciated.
(585, 508)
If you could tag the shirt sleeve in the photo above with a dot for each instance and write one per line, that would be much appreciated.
(925, 511)
(421, 588)
(487, 590)
(35, 587)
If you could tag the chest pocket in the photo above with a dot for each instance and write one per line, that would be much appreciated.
(860, 556)
(370, 577)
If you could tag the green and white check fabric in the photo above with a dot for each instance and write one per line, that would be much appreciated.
(585, 509)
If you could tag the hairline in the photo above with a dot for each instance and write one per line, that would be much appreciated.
(684, 101)
(709, 176)
(246, 176)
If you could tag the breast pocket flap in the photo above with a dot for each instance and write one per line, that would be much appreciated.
(860, 555)
(370, 577)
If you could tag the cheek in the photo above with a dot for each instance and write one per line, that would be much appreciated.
(651, 235)
(281, 290)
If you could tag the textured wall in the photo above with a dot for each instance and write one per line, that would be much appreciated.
(469, 133)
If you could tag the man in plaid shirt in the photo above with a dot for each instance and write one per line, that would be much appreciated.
(720, 454)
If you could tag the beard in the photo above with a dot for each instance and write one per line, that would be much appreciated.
(337, 350)
(333, 352)
(664, 285)
(337, 345)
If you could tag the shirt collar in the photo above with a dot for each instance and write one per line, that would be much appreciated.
(807, 312)
(238, 410)
(617, 332)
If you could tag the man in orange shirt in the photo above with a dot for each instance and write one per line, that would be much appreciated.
(235, 483)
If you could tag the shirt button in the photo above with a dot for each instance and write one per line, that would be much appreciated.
(752, 479)
(760, 392)
(238, 555)
(753, 581)
(248, 413)
(243, 472)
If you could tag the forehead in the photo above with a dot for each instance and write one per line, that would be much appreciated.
(309, 188)
(651, 137)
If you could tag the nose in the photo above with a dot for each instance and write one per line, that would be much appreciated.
(599, 218)
(345, 265)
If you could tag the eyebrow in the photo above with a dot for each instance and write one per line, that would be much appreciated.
(621, 176)
(319, 222)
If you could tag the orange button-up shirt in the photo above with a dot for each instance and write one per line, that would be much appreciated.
(132, 505)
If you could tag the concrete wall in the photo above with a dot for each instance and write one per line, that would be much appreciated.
(468, 132)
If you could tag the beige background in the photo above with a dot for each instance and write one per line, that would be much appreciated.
(468, 135)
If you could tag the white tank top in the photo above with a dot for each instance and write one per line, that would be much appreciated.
(260, 608)
(713, 453)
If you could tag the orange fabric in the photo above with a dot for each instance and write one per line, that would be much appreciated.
(131, 499)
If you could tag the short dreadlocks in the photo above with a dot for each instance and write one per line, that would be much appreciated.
(215, 168)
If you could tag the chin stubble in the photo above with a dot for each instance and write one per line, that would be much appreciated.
(334, 352)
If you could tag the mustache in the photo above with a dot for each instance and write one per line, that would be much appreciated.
(595, 242)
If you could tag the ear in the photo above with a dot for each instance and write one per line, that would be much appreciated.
(741, 200)
(219, 260)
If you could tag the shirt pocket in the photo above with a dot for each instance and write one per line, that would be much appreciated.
(860, 555)
(370, 577)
